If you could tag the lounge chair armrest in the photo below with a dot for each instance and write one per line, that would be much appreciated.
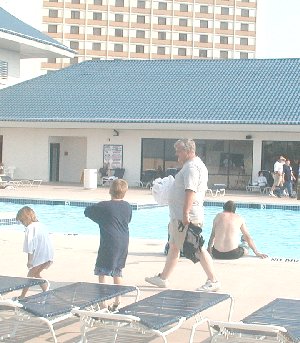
(245, 326)
(106, 315)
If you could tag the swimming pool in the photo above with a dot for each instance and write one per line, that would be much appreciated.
(275, 232)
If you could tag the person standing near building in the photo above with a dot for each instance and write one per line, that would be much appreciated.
(289, 177)
(278, 176)
(186, 197)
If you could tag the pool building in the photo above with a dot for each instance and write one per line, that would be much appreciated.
(128, 113)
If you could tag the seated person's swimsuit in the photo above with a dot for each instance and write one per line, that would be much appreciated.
(228, 255)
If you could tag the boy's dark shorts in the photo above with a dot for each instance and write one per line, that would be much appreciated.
(108, 272)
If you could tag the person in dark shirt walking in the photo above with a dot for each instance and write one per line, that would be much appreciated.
(113, 217)
(289, 177)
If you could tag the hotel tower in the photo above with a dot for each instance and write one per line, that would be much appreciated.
(151, 29)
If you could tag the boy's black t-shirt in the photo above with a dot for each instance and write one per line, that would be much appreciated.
(113, 218)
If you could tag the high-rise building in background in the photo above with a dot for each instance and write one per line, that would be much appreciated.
(151, 29)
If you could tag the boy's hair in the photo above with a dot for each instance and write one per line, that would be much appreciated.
(229, 206)
(26, 215)
(118, 188)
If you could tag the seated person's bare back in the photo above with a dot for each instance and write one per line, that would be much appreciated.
(224, 241)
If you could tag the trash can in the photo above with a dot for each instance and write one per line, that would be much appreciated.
(90, 178)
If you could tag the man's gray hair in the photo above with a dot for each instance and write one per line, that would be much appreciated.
(187, 144)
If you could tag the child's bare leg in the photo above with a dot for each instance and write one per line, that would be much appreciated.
(117, 281)
(101, 279)
(35, 272)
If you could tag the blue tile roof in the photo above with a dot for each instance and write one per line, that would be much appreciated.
(13, 26)
(161, 91)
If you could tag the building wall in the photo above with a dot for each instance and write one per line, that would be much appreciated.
(110, 29)
(27, 149)
(12, 61)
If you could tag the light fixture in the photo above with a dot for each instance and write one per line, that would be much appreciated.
(115, 133)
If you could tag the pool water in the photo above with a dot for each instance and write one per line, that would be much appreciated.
(275, 232)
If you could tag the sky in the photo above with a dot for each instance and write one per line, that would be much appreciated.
(278, 25)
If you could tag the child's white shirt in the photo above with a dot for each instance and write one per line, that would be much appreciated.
(38, 243)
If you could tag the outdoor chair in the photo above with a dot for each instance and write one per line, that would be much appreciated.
(148, 176)
(155, 316)
(12, 283)
(118, 174)
(54, 306)
(278, 321)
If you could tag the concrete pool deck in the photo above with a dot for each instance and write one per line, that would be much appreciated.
(251, 281)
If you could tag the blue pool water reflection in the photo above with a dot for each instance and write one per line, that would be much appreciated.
(276, 232)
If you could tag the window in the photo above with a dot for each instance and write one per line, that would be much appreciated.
(119, 3)
(75, 2)
(53, 13)
(204, 38)
(139, 49)
(53, 0)
(223, 40)
(140, 34)
(224, 54)
(51, 60)
(244, 41)
(118, 47)
(74, 60)
(225, 10)
(162, 35)
(161, 50)
(74, 45)
(162, 6)
(203, 53)
(181, 51)
(244, 27)
(204, 24)
(140, 19)
(162, 21)
(203, 9)
(97, 16)
(96, 46)
(96, 31)
(244, 12)
(98, 2)
(141, 4)
(119, 17)
(52, 28)
(74, 30)
(224, 25)
(184, 7)
(118, 32)
(75, 14)
(3, 70)
(183, 37)
(183, 22)
(244, 55)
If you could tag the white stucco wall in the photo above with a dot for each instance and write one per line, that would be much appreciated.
(28, 148)
(13, 60)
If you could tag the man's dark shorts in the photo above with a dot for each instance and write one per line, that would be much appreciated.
(228, 255)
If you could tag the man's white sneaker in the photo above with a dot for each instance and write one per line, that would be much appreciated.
(157, 281)
(272, 194)
(210, 286)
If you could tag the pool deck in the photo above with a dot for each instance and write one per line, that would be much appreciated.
(251, 281)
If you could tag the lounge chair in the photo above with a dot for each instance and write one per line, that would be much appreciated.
(12, 283)
(278, 321)
(158, 315)
(53, 306)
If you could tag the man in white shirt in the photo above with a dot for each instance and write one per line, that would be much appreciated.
(278, 176)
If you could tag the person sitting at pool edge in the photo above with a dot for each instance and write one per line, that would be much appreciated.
(225, 236)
